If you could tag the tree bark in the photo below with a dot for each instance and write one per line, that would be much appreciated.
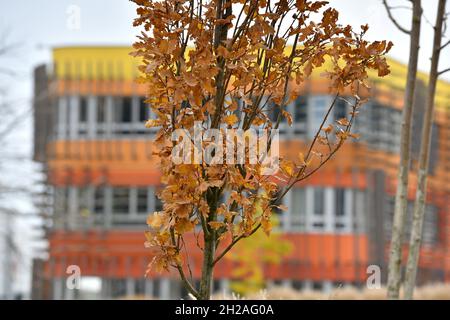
(419, 204)
(395, 256)
(208, 266)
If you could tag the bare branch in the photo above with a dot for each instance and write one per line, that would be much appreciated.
(179, 267)
(231, 245)
(444, 45)
(394, 21)
(443, 71)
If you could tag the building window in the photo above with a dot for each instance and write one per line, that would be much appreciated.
(142, 200)
(83, 200)
(143, 110)
(319, 199)
(122, 112)
(83, 110)
(101, 109)
(300, 115)
(273, 111)
(99, 200)
(126, 109)
(61, 205)
(340, 202)
(120, 200)
(300, 112)
(318, 106)
(158, 202)
(340, 110)
(118, 288)
(298, 209)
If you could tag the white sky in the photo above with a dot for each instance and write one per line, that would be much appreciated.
(38, 25)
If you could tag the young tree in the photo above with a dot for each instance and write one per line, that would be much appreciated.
(401, 196)
(228, 64)
(424, 156)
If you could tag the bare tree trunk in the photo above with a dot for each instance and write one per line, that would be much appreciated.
(208, 267)
(419, 204)
(395, 256)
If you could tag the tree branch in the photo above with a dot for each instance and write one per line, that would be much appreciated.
(231, 245)
(394, 21)
(444, 45)
(443, 71)
(179, 267)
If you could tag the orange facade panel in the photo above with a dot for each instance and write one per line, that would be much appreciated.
(317, 257)
(122, 253)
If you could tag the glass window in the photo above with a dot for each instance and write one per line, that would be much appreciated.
(118, 287)
(99, 200)
(122, 110)
(300, 110)
(126, 109)
(298, 206)
(318, 108)
(101, 109)
(120, 200)
(142, 200)
(61, 200)
(340, 202)
(273, 110)
(340, 109)
(158, 202)
(319, 198)
(143, 109)
(83, 199)
(83, 111)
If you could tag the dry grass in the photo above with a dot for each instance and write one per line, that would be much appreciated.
(428, 292)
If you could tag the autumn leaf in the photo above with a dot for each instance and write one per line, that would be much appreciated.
(343, 122)
(231, 119)
(216, 224)
(154, 220)
(184, 225)
(288, 167)
(152, 123)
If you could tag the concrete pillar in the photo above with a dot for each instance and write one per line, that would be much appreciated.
(73, 111)
(72, 207)
(92, 117)
(224, 285)
(69, 293)
(129, 290)
(327, 287)
(309, 208)
(108, 207)
(164, 288)
(149, 288)
(286, 219)
(58, 288)
(62, 118)
(307, 285)
(348, 209)
(329, 208)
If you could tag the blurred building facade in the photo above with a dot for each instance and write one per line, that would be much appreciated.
(102, 182)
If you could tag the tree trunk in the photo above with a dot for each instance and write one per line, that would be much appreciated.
(223, 11)
(419, 204)
(207, 268)
(395, 256)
